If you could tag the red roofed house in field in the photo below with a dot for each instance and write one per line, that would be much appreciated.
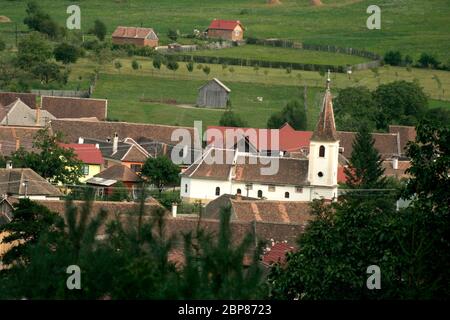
(140, 37)
(91, 157)
(231, 30)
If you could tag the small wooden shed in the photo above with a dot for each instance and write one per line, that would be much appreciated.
(213, 94)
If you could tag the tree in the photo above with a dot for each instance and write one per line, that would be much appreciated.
(118, 65)
(355, 106)
(40, 21)
(161, 171)
(394, 58)
(230, 119)
(32, 50)
(30, 220)
(172, 35)
(427, 60)
(99, 29)
(157, 61)
(172, 65)
(190, 66)
(50, 160)
(207, 70)
(135, 65)
(399, 102)
(66, 53)
(293, 113)
(48, 72)
(365, 170)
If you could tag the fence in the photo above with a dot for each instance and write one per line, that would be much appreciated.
(63, 93)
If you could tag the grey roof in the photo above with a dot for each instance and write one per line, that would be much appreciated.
(12, 183)
(19, 114)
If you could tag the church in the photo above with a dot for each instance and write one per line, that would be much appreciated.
(242, 172)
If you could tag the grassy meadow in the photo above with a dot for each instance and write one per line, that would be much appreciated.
(412, 26)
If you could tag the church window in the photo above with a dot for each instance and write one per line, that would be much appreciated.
(322, 151)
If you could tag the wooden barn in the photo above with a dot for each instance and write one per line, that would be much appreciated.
(231, 30)
(213, 94)
(140, 37)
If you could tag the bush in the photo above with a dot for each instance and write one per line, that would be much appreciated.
(428, 61)
(393, 58)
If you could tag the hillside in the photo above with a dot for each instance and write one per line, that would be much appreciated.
(405, 24)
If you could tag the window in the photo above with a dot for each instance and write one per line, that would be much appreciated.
(299, 189)
(185, 188)
(136, 167)
(286, 195)
(320, 174)
(260, 194)
(271, 188)
(239, 191)
(322, 151)
(85, 170)
(217, 191)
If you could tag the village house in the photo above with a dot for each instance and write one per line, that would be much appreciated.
(90, 156)
(115, 152)
(18, 113)
(75, 108)
(296, 179)
(231, 30)
(25, 183)
(140, 37)
(213, 94)
(12, 138)
(106, 181)
(156, 140)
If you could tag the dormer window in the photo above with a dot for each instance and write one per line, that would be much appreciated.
(322, 152)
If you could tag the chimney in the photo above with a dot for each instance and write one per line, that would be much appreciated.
(38, 115)
(80, 140)
(97, 146)
(17, 143)
(9, 164)
(395, 163)
(174, 209)
(115, 143)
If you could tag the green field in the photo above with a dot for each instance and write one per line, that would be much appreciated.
(124, 93)
(266, 53)
(412, 26)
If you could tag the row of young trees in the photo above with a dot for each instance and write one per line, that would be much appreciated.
(426, 60)
(410, 246)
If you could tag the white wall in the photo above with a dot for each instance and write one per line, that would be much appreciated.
(203, 189)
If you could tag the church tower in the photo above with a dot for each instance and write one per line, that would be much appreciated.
(324, 152)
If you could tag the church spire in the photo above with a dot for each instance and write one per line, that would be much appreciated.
(326, 127)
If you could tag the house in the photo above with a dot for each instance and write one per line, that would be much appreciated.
(213, 94)
(107, 180)
(18, 113)
(25, 183)
(12, 138)
(6, 98)
(90, 156)
(276, 253)
(126, 152)
(232, 30)
(155, 139)
(140, 37)
(231, 171)
(75, 108)
(253, 209)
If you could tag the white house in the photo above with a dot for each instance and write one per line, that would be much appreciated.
(226, 171)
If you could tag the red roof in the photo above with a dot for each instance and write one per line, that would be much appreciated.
(225, 24)
(86, 153)
(277, 253)
(289, 138)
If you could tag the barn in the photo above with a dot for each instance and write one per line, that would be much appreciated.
(213, 94)
(140, 37)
